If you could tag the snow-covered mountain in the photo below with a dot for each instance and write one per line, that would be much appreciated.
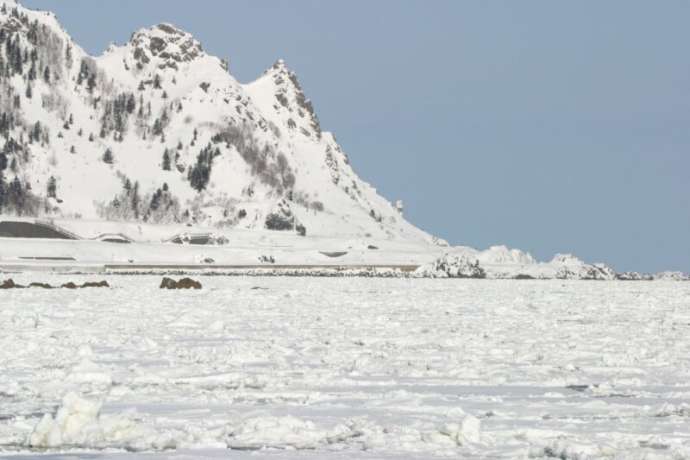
(158, 130)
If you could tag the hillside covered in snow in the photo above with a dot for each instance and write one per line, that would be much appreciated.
(158, 131)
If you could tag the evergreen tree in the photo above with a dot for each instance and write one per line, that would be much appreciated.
(3, 191)
(52, 187)
(135, 199)
(91, 84)
(166, 160)
(68, 56)
(16, 196)
(35, 134)
(156, 200)
(83, 73)
(108, 157)
(131, 104)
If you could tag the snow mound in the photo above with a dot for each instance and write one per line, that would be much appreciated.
(78, 423)
(463, 433)
(634, 276)
(570, 267)
(452, 266)
(504, 255)
(672, 276)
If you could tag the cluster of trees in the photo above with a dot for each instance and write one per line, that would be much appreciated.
(7, 123)
(199, 175)
(39, 134)
(116, 113)
(9, 155)
(41, 59)
(170, 157)
(157, 207)
(87, 73)
(15, 57)
(15, 197)
(160, 124)
(163, 207)
(270, 167)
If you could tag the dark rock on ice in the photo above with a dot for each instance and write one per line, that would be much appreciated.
(10, 284)
(101, 284)
(185, 283)
(40, 285)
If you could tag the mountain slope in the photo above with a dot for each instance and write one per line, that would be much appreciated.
(157, 130)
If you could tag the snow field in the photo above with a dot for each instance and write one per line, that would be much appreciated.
(342, 368)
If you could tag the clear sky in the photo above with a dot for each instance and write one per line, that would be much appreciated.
(547, 126)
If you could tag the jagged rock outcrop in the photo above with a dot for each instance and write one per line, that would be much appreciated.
(572, 268)
(452, 266)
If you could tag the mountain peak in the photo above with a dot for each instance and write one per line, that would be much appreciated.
(290, 95)
(166, 44)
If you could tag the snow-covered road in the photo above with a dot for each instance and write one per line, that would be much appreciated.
(341, 368)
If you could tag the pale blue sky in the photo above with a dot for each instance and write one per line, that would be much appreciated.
(547, 126)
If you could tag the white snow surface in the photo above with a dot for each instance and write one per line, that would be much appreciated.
(345, 368)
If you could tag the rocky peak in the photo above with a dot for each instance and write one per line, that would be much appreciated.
(164, 45)
(289, 94)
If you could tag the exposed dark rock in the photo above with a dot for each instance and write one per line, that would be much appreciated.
(10, 284)
(101, 284)
(168, 283)
(184, 283)
(40, 285)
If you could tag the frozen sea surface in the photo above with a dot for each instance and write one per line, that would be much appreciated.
(305, 368)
